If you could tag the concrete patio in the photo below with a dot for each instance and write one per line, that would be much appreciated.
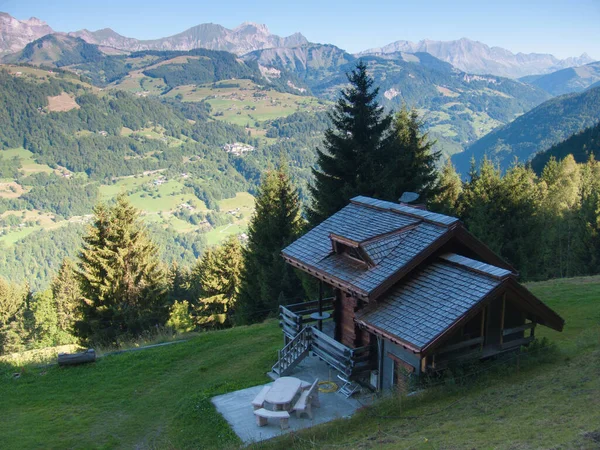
(236, 407)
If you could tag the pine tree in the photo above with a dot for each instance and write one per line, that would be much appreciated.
(44, 323)
(67, 296)
(121, 281)
(409, 163)
(354, 150)
(267, 280)
(479, 204)
(178, 279)
(216, 282)
(446, 200)
(13, 307)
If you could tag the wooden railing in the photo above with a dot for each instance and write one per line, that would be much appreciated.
(344, 359)
(293, 318)
(517, 330)
(294, 352)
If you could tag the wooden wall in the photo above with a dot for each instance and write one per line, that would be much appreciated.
(346, 330)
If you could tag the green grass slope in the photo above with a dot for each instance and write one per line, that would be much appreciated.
(160, 398)
(157, 398)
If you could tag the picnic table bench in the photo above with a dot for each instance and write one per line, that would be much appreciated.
(263, 415)
(307, 400)
(259, 400)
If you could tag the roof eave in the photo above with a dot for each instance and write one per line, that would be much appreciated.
(324, 276)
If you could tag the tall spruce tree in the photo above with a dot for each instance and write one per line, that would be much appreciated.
(450, 188)
(14, 301)
(67, 296)
(215, 283)
(408, 162)
(267, 280)
(121, 281)
(354, 150)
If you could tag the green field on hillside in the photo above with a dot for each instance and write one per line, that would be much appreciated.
(243, 102)
(160, 398)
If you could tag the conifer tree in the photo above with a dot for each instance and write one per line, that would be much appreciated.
(216, 283)
(353, 154)
(267, 280)
(408, 163)
(44, 320)
(67, 296)
(450, 188)
(13, 307)
(121, 281)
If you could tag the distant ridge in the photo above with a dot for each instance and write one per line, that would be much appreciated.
(565, 81)
(535, 131)
(243, 39)
(476, 57)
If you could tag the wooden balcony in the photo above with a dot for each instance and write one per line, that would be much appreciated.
(293, 318)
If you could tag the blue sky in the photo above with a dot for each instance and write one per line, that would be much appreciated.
(561, 27)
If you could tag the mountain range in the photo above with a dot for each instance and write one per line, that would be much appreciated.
(476, 57)
(466, 55)
(459, 107)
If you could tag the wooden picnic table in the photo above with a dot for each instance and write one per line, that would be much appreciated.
(282, 392)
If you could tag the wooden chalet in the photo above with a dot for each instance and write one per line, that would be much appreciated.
(412, 291)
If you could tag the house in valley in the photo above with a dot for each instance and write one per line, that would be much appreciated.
(412, 292)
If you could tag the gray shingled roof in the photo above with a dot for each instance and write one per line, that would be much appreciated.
(477, 266)
(390, 234)
(440, 219)
(429, 301)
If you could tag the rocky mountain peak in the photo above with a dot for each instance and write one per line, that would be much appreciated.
(16, 34)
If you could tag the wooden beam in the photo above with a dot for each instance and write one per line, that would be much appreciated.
(517, 342)
(460, 345)
(514, 330)
(502, 317)
(424, 364)
(483, 311)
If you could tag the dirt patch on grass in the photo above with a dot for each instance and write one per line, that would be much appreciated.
(446, 92)
(62, 102)
(11, 190)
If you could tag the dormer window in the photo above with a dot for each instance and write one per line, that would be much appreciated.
(350, 251)
(348, 248)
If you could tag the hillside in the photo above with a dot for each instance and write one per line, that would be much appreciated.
(476, 57)
(64, 145)
(581, 145)
(535, 131)
(566, 81)
(458, 108)
(547, 402)
(55, 50)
